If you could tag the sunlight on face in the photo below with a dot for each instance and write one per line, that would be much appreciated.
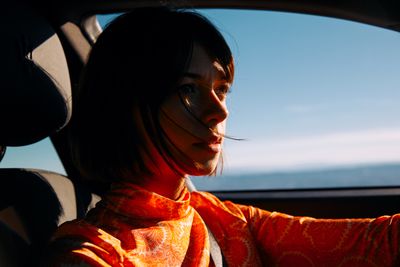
(193, 119)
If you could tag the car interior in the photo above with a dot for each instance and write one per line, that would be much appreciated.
(44, 48)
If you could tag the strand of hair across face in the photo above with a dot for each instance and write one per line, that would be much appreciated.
(180, 126)
(171, 142)
(187, 131)
(203, 124)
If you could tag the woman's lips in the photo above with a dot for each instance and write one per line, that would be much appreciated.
(212, 146)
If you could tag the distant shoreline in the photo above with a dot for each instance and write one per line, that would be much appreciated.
(385, 174)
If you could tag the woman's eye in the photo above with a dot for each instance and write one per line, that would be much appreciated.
(222, 91)
(187, 89)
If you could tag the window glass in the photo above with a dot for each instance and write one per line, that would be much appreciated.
(40, 155)
(316, 100)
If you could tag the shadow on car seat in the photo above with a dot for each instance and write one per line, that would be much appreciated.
(35, 96)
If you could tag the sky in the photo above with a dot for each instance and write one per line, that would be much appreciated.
(309, 92)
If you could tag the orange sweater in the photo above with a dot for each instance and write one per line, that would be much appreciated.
(134, 227)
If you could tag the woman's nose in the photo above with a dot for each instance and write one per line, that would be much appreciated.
(216, 112)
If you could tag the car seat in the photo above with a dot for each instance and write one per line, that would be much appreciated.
(35, 95)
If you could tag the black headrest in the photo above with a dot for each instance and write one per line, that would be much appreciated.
(35, 90)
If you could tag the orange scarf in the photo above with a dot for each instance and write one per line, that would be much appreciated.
(135, 227)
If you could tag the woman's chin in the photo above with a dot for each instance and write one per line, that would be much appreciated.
(203, 169)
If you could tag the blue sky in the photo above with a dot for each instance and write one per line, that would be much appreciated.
(309, 92)
(305, 74)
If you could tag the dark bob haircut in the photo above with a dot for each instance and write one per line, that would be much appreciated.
(136, 62)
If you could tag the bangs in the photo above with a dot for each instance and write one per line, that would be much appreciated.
(200, 30)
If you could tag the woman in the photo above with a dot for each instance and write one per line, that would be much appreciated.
(151, 111)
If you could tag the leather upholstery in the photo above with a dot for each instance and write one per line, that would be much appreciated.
(35, 95)
(34, 80)
(33, 204)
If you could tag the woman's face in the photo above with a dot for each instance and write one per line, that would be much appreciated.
(193, 119)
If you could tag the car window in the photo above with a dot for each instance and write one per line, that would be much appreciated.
(315, 98)
(40, 155)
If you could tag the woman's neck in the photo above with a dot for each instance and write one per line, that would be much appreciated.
(167, 185)
(171, 189)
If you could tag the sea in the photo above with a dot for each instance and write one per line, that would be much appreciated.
(379, 175)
